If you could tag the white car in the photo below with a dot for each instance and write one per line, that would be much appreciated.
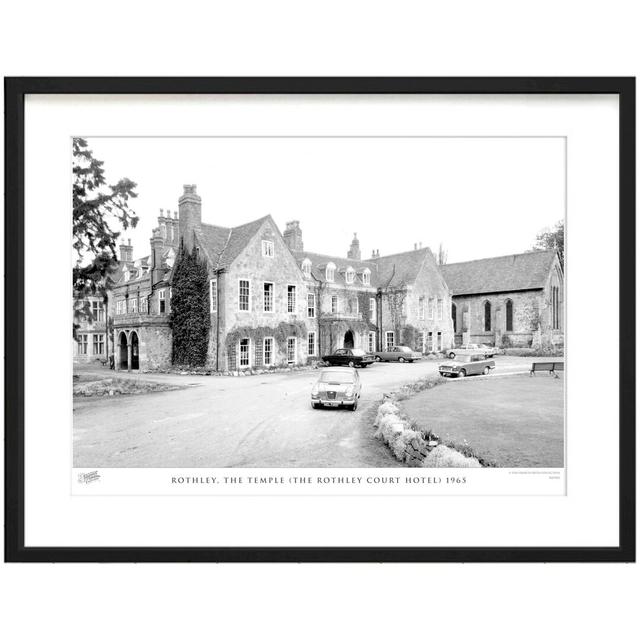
(472, 348)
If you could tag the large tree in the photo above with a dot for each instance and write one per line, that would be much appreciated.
(99, 209)
(551, 239)
(190, 320)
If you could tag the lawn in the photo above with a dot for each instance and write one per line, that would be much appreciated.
(510, 421)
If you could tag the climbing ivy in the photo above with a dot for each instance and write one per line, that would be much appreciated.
(190, 321)
(279, 333)
(410, 337)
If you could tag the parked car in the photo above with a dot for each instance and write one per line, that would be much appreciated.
(397, 354)
(473, 348)
(337, 388)
(351, 357)
(467, 365)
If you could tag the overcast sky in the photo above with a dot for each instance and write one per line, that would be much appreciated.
(480, 197)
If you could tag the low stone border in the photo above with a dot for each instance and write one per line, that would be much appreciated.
(413, 447)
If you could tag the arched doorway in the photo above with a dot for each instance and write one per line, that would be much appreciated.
(348, 339)
(122, 355)
(454, 317)
(135, 355)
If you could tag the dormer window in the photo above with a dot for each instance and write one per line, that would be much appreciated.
(330, 273)
(366, 276)
(350, 275)
(306, 267)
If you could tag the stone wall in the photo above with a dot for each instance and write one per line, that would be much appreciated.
(530, 312)
(410, 325)
(281, 270)
(155, 347)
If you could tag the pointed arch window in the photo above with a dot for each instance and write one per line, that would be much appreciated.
(508, 313)
(487, 316)
(306, 267)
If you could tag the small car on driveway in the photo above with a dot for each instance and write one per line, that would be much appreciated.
(471, 348)
(350, 357)
(337, 388)
(397, 354)
(468, 365)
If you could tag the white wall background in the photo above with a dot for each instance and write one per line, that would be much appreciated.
(332, 38)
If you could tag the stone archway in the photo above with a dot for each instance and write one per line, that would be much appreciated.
(348, 339)
(135, 350)
(123, 358)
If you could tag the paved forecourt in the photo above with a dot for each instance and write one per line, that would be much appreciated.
(251, 421)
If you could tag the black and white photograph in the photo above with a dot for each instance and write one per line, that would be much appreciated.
(317, 302)
(289, 319)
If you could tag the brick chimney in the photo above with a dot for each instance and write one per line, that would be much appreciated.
(169, 227)
(126, 252)
(293, 236)
(157, 246)
(354, 249)
(190, 214)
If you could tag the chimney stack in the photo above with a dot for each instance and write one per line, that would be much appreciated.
(126, 252)
(190, 219)
(157, 245)
(293, 236)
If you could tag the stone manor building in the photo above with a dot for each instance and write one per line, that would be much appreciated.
(271, 302)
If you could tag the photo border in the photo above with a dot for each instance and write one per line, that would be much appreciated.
(15, 91)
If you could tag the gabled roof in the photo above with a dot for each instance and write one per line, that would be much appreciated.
(225, 244)
(319, 262)
(516, 272)
(400, 268)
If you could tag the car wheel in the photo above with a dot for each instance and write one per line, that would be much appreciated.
(443, 374)
(401, 360)
(354, 406)
(462, 373)
(452, 355)
(378, 359)
(352, 363)
(364, 366)
(485, 371)
(314, 405)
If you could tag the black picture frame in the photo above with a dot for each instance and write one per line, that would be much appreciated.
(15, 91)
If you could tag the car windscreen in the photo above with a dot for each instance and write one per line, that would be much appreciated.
(337, 377)
(357, 352)
(463, 358)
(405, 349)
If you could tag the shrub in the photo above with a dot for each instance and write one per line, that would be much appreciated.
(443, 456)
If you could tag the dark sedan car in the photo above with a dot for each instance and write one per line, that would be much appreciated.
(350, 357)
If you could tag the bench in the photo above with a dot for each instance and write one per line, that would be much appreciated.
(551, 367)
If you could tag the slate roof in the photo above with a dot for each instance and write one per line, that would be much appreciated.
(319, 261)
(516, 272)
(225, 244)
(401, 268)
